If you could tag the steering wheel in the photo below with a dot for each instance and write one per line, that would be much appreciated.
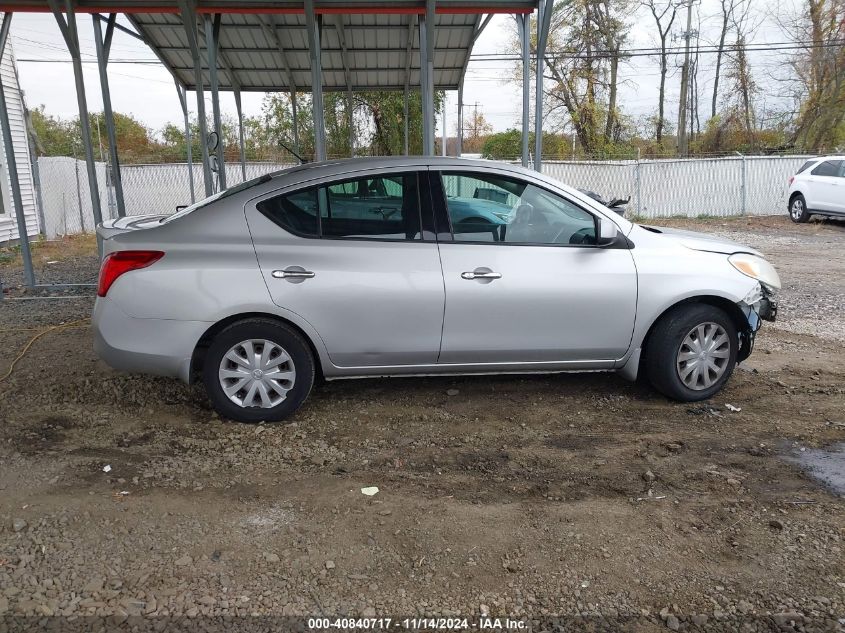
(582, 236)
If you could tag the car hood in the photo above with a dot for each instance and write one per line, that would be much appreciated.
(701, 241)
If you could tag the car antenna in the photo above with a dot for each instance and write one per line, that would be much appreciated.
(298, 157)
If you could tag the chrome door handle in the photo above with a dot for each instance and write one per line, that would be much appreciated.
(292, 274)
(481, 275)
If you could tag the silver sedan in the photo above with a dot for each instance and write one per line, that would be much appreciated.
(418, 266)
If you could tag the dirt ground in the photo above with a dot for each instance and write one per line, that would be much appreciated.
(580, 496)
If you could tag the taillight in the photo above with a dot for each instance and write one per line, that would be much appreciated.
(119, 262)
(791, 178)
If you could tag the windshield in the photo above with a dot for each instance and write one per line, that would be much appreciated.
(217, 196)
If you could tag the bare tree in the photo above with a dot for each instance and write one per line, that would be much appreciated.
(728, 8)
(739, 72)
(587, 37)
(668, 13)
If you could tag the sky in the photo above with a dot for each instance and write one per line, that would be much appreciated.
(147, 91)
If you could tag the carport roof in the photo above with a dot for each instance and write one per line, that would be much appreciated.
(263, 44)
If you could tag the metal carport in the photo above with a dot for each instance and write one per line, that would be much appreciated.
(264, 45)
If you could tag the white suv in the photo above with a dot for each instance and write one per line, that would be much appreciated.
(818, 188)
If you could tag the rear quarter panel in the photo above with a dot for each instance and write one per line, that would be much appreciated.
(209, 272)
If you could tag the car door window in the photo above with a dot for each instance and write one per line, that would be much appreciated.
(827, 168)
(494, 209)
(382, 207)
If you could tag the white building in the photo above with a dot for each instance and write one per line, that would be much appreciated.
(15, 105)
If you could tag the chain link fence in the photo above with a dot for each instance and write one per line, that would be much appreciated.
(726, 186)
(158, 188)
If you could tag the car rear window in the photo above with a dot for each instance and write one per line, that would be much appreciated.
(295, 212)
(384, 207)
(804, 166)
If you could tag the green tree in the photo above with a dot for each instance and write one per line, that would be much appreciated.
(583, 56)
(507, 145)
(378, 121)
(54, 136)
(820, 70)
(134, 140)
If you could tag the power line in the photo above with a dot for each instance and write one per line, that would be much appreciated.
(651, 52)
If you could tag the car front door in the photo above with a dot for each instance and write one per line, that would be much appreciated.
(349, 257)
(527, 283)
(827, 192)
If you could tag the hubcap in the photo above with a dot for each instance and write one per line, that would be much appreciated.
(257, 373)
(797, 209)
(703, 356)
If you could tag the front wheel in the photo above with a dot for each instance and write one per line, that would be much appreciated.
(798, 209)
(258, 370)
(692, 352)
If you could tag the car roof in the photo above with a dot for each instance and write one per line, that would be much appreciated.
(343, 165)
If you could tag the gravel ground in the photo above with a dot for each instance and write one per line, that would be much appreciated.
(578, 496)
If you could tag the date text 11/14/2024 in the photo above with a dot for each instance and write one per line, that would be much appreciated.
(418, 624)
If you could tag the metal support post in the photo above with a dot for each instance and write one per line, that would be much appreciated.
(295, 119)
(744, 188)
(313, 28)
(189, 150)
(544, 20)
(189, 21)
(639, 185)
(408, 48)
(480, 25)
(241, 140)
(443, 136)
(212, 31)
(14, 182)
(405, 114)
(523, 23)
(103, 51)
(427, 76)
(459, 141)
(67, 25)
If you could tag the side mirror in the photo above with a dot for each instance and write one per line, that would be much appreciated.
(609, 234)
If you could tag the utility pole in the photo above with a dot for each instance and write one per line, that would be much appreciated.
(683, 137)
(472, 126)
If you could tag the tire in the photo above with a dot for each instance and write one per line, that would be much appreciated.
(287, 354)
(669, 340)
(798, 209)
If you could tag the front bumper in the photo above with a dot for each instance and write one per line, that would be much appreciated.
(163, 347)
(764, 309)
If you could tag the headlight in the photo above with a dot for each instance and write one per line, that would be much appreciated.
(756, 268)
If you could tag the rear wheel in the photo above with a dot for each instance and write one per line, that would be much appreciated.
(691, 352)
(798, 209)
(258, 370)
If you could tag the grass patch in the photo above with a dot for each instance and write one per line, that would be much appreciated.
(59, 249)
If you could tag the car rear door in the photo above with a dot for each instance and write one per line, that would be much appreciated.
(528, 284)
(348, 255)
(827, 189)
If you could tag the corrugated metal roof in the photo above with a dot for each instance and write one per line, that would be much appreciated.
(375, 46)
